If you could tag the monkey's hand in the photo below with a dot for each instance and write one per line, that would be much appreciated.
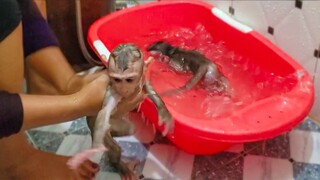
(165, 118)
(78, 159)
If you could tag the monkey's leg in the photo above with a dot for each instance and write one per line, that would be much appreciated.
(192, 82)
(164, 115)
(114, 157)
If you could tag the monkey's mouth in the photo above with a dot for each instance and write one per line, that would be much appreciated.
(153, 52)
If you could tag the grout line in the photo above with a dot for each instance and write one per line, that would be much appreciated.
(316, 65)
(31, 140)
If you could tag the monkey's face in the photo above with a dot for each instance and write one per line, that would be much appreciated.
(126, 70)
(160, 47)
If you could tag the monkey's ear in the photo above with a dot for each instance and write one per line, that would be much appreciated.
(136, 54)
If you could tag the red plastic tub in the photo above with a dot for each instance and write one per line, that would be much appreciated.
(272, 93)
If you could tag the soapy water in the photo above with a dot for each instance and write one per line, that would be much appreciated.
(248, 82)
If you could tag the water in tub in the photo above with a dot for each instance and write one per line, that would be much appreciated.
(241, 72)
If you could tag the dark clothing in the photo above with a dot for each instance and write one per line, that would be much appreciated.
(10, 17)
(11, 114)
(36, 35)
(36, 32)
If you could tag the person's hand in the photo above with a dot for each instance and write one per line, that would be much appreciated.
(87, 170)
(77, 82)
(91, 96)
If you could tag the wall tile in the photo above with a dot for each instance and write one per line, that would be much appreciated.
(222, 5)
(311, 12)
(315, 112)
(251, 13)
(292, 35)
(275, 12)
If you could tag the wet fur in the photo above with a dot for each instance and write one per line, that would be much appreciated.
(189, 60)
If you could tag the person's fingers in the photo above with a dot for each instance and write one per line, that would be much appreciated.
(90, 166)
(88, 169)
(83, 174)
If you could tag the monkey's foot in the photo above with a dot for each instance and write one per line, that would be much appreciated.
(81, 157)
(126, 170)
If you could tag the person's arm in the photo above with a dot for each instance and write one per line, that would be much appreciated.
(22, 111)
(44, 56)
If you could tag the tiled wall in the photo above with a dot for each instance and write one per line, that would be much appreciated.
(294, 25)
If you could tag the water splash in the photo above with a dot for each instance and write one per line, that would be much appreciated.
(248, 82)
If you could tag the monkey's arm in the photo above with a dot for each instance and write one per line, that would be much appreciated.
(163, 113)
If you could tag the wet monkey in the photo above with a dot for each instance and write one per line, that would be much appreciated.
(201, 67)
(127, 89)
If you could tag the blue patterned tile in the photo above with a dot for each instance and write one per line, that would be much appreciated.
(46, 141)
(308, 125)
(104, 165)
(303, 171)
(79, 127)
(224, 165)
(277, 147)
(135, 151)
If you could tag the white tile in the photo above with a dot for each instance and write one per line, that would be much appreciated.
(168, 162)
(292, 35)
(73, 144)
(251, 13)
(276, 11)
(315, 111)
(59, 128)
(305, 146)
(237, 148)
(261, 168)
(222, 5)
(311, 11)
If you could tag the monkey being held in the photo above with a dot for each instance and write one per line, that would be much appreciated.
(191, 60)
(128, 87)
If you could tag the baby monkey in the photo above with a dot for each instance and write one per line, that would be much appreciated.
(128, 87)
(191, 60)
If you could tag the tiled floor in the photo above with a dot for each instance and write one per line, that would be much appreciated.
(294, 155)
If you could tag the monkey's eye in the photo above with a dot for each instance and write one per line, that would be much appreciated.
(117, 80)
(129, 80)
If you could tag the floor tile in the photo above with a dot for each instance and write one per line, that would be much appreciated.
(261, 168)
(46, 141)
(168, 162)
(277, 147)
(305, 146)
(303, 171)
(224, 165)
